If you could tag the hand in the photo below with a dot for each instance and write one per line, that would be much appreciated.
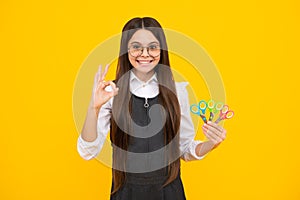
(214, 133)
(100, 95)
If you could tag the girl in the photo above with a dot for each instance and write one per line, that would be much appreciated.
(148, 117)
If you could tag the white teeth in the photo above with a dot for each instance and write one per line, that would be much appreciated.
(144, 62)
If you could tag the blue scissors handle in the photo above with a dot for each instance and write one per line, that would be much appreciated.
(198, 109)
(202, 106)
(195, 109)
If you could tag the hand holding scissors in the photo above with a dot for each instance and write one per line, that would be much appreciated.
(225, 113)
(198, 108)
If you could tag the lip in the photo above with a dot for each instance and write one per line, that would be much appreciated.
(144, 62)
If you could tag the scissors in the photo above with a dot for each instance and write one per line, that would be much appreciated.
(201, 106)
(213, 108)
(225, 113)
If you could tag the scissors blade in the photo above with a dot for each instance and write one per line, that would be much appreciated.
(211, 116)
(218, 120)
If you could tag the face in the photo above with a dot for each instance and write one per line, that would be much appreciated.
(145, 62)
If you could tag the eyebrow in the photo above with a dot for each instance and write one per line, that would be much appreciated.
(140, 43)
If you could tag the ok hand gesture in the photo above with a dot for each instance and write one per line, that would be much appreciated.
(100, 95)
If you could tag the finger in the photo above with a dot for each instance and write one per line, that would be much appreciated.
(209, 134)
(112, 91)
(220, 131)
(96, 77)
(214, 130)
(216, 126)
(116, 92)
(214, 134)
(113, 85)
(223, 135)
(209, 137)
(103, 84)
(216, 140)
(99, 73)
(114, 88)
(105, 72)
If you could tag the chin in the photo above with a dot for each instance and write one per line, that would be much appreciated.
(144, 69)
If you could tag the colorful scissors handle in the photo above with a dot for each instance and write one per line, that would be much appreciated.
(192, 108)
(211, 108)
(202, 106)
(199, 108)
(225, 113)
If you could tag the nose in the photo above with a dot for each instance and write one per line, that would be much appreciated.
(145, 52)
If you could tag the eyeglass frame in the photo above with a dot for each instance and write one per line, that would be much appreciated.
(142, 50)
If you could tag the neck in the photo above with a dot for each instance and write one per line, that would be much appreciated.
(144, 76)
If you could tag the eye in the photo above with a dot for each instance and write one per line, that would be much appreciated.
(136, 46)
(153, 47)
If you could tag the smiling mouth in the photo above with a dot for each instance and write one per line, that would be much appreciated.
(144, 61)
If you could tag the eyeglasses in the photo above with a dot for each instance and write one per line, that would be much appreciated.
(136, 50)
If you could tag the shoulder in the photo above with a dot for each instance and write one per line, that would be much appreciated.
(182, 93)
(181, 86)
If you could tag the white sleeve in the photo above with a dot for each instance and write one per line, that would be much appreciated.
(88, 150)
(187, 131)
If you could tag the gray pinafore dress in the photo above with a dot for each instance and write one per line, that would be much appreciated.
(147, 185)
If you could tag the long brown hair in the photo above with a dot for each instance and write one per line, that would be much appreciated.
(167, 98)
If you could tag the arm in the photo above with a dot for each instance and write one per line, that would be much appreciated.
(94, 132)
(89, 130)
(97, 120)
(187, 131)
(192, 149)
(204, 148)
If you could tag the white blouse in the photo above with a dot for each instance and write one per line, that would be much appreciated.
(187, 144)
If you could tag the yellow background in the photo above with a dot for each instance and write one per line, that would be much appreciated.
(254, 44)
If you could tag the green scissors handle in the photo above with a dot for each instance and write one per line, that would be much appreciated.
(213, 108)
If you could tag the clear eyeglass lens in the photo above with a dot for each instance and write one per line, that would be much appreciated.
(136, 50)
